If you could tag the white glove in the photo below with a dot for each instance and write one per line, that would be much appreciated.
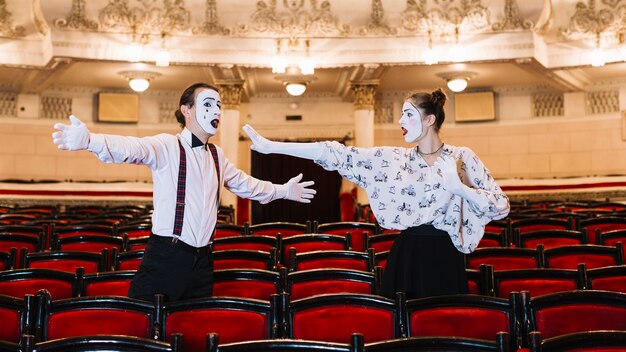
(259, 143)
(71, 137)
(309, 151)
(296, 190)
(450, 180)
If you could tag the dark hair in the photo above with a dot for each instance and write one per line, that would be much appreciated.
(431, 103)
(189, 98)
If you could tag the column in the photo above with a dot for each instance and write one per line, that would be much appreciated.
(230, 93)
(364, 94)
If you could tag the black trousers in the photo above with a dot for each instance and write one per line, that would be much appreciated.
(174, 269)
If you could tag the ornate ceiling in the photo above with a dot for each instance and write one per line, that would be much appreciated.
(46, 43)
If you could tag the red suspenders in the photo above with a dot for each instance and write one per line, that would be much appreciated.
(180, 191)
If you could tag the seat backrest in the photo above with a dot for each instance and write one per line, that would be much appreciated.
(275, 345)
(307, 283)
(87, 243)
(494, 239)
(31, 230)
(67, 260)
(286, 229)
(538, 281)
(603, 224)
(505, 258)
(382, 242)
(539, 224)
(83, 229)
(258, 243)
(481, 316)
(108, 342)
(137, 243)
(610, 278)
(549, 238)
(129, 260)
(135, 230)
(244, 259)
(19, 241)
(610, 238)
(234, 319)
(246, 283)
(498, 225)
(313, 242)
(335, 317)
(360, 231)
(574, 311)
(440, 343)
(81, 316)
(339, 259)
(584, 341)
(17, 317)
(594, 256)
(110, 283)
(20, 282)
(228, 230)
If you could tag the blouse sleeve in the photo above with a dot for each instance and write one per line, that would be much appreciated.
(491, 202)
(354, 164)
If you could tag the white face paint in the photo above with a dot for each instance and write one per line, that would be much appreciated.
(411, 122)
(208, 105)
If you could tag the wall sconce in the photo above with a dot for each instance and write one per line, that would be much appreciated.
(457, 81)
(139, 81)
(294, 80)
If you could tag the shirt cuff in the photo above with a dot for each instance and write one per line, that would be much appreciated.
(96, 142)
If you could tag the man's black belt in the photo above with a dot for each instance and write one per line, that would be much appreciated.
(175, 241)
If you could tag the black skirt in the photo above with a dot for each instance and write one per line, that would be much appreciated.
(423, 262)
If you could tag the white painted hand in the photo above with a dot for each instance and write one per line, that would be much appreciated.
(296, 190)
(449, 175)
(71, 137)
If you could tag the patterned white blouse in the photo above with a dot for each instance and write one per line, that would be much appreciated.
(404, 191)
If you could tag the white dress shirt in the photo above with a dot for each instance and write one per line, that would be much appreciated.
(404, 191)
(161, 154)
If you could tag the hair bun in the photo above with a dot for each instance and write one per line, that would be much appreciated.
(438, 97)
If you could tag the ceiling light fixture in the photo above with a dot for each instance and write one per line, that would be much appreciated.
(292, 66)
(456, 53)
(139, 81)
(294, 80)
(457, 81)
(597, 55)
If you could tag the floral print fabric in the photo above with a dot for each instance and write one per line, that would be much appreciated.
(404, 191)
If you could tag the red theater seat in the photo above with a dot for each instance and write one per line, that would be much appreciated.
(235, 320)
(335, 317)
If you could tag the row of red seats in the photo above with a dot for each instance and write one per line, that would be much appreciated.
(243, 283)
(330, 317)
(318, 250)
(585, 341)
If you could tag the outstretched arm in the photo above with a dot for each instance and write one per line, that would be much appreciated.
(110, 148)
(310, 151)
